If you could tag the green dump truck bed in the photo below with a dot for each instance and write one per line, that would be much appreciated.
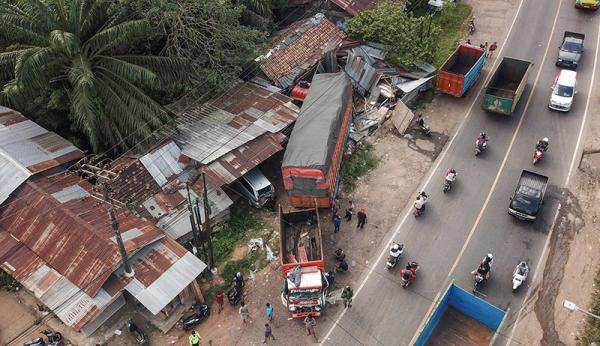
(506, 86)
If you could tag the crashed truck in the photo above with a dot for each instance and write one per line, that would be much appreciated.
(305, 284)
(313, 156)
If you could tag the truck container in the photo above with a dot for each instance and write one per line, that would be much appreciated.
(571, 50)
(305, 284)
(313, 156)
(529, 196)
(506, 86)
(461, 70)
(460, 318)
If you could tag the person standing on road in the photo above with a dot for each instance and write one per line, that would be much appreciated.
(349, 211)
(362, 218)
(337, 221)
(269, 312)
(220, 298)
(310, 323)
(244, 313)
(268, 333)
(347, 295)
(335, 207)
(493, 48)
(194, 339)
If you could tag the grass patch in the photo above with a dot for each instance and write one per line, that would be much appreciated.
(451, 19)
(239, 228)
(591, 333)
(360, 163)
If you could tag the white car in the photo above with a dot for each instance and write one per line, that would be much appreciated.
(563, 91)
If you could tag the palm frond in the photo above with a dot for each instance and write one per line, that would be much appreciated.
(119, 34)
(135, 73)
(64, 42)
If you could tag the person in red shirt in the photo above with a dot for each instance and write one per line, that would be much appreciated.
(220, 298)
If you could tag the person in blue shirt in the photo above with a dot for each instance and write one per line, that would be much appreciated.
(269, 312)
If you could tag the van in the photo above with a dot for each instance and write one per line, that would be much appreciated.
(563, 91)
(255, 188)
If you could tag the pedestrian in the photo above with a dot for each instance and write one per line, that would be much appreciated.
(493, 47)
(362, 218)
(482, 46)
(268, 333)
(244, 314)
(269, 312)
(220, 298)
(337, 221)
(335, 207)
(347, 295)
(194, 339)
(469, 41)
(349, 211)
(310, 323)
(485, 47)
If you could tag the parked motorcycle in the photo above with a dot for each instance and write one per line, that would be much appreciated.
(472, 26)
(537, 155)
(422, 126)
(192, 321)
(35, 342)
(54, 339)
(52, 336)
(139, 336)
(409, 274)
(234, 295)
(480, 146)
(395, 252)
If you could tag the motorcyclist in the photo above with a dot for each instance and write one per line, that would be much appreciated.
(339, 255)
(451, 175)
(395, 250)
(238, 280)
(542, 144)
(485, 267)
(410, 274)
(482, 138)
(522, 269)
(421, 200)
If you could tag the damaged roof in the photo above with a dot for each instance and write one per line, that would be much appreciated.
(247, 111)
(26, 149)
(355, 6)
(298, 48)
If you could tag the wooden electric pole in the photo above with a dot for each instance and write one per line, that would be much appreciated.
(195, 239)
(207, 228)
(115, 227)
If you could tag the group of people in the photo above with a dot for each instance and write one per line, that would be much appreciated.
(350, 209)
(485, 267)
(489, 49)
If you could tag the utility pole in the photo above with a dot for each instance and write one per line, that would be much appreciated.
(207, 228)
(115, 227)
(195, 240)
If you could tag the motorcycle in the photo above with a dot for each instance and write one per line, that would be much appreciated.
(394, 256)
(425, 130)
(35, 342)
(234, 296)
(191, 321)
(54, 339)
(472, 26)
(537, 155)
(480, 146)
(448, 181)
(518, 279)
(478, 282)
(409, 274)
(52, 335)
(139, 336)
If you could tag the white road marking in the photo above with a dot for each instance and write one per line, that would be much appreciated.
(497, 178)
(571, 167)
(432, 171)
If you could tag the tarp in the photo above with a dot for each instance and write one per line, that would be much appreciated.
(318, 125)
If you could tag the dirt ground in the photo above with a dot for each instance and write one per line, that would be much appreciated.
(404, 161)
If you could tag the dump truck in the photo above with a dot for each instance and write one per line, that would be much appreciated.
(305, 283)
(461, 70)
(461, 318)
(587, 4)
(506, 86)
(529, 196)
(571, 50)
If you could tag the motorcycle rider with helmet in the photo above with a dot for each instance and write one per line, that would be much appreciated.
(542, 144)
(522, 269)
(451, 175)
(421, 200)
(409, 275)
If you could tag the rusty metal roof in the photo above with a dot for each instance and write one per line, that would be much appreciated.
(246, 111)
(355, 6)
(26, 149)
(239, 161)
(298, 48)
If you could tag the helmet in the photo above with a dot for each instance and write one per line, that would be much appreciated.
(238, 274)
(452, 170)
(523, 263)
(489, 257)
(545, 140)
(395, 247)
(482, 134)
(412, 264)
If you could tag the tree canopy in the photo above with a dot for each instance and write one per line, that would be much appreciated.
(408, 39)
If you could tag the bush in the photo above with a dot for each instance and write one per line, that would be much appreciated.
(591, 333)
(360, 163)
(229, 236)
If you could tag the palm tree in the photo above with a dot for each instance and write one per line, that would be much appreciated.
(77, 48)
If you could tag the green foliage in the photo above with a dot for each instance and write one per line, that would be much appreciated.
(360, 163)
(408, 39)
(225, 241)
(591, 334)
(78, 47)
(6, 281)
(452, 19)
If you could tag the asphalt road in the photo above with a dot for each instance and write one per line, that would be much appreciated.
(461, 227)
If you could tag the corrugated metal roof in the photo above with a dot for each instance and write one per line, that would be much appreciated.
(247, 111)
(26, 148)
(355, 6)
(239, 161)
(299, 48)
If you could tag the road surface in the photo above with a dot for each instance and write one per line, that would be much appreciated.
(459, 228)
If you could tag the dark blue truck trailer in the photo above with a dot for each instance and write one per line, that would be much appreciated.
(461, 318)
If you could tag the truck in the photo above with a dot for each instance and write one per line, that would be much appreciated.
(504, 90)
(571, 50)
(529, 196)
(461, 70)
(305, 283)
(587, 4)
(461, 318)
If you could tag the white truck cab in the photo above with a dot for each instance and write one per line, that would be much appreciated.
(563, 91)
